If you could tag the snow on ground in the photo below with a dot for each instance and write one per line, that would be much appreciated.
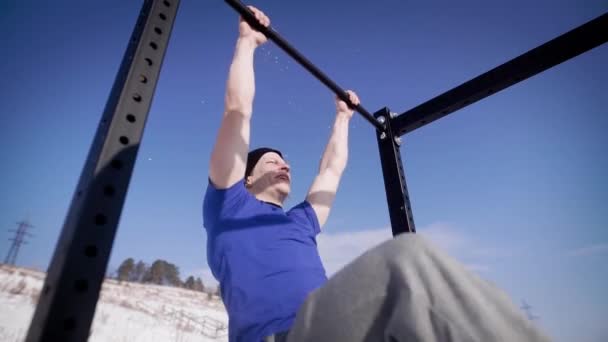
(126, 312)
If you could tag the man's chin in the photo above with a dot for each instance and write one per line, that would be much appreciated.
(284, 188)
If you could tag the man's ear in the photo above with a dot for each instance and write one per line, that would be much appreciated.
(247, 181)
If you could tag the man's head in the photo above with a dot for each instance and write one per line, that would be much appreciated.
(267, 175)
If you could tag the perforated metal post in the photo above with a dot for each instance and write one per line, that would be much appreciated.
(71, 289)
(397, 197)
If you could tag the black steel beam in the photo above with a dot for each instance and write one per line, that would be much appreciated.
(539, 59)
(74, 278)
(397, 197)
(271, 34)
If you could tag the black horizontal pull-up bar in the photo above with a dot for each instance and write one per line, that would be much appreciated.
(290, 50)
(571, 44)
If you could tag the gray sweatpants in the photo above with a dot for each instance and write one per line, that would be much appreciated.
(405, 289)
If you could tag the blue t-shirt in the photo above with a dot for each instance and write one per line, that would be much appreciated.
(265, 259)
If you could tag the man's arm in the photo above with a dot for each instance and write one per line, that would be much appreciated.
(229, 156)
(325, 185)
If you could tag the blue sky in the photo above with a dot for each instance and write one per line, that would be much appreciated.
(514, 186)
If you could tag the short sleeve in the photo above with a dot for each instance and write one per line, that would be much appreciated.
(304, 214)
(219, 204)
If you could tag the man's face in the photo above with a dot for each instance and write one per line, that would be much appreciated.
(270, 173)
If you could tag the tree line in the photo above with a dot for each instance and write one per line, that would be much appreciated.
(160, 272)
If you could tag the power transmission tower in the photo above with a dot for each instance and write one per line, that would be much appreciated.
(18, 240)
(528, 310)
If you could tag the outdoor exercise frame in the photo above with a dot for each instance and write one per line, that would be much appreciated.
(71, 289)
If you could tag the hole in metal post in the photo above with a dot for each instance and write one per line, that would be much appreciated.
(123, 140)
(136, 97)
(117, 164)
(158, 30)
(90, 251)
(143, 78)
(162, 16)
(130, 117)
(167, 3)
(81, 285)
(100, 219)
(153, 45)
(69, 324)
(149, 61)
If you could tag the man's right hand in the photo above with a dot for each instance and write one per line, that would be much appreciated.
(247, 32)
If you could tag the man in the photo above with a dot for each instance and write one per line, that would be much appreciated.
(265, 258)
(269, 269)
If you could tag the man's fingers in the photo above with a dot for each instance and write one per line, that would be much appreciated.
(349, 94)
(260, 17)
(352, 96)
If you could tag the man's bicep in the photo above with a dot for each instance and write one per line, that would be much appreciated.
(229, 155)
(322, 194)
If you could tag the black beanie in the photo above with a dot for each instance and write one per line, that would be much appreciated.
(254, 156)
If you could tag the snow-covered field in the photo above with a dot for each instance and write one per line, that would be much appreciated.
(126, 312)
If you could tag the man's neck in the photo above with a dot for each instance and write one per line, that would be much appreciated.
(268, 198)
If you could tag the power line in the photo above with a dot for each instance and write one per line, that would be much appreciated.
(18, 240)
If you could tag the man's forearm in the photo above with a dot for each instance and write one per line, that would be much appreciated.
(323, 189)
(336, 153)
(240, 88)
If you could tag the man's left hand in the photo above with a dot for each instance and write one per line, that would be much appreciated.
(342, 108)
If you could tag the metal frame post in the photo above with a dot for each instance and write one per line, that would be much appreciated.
(67, 302)
(397, 196)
